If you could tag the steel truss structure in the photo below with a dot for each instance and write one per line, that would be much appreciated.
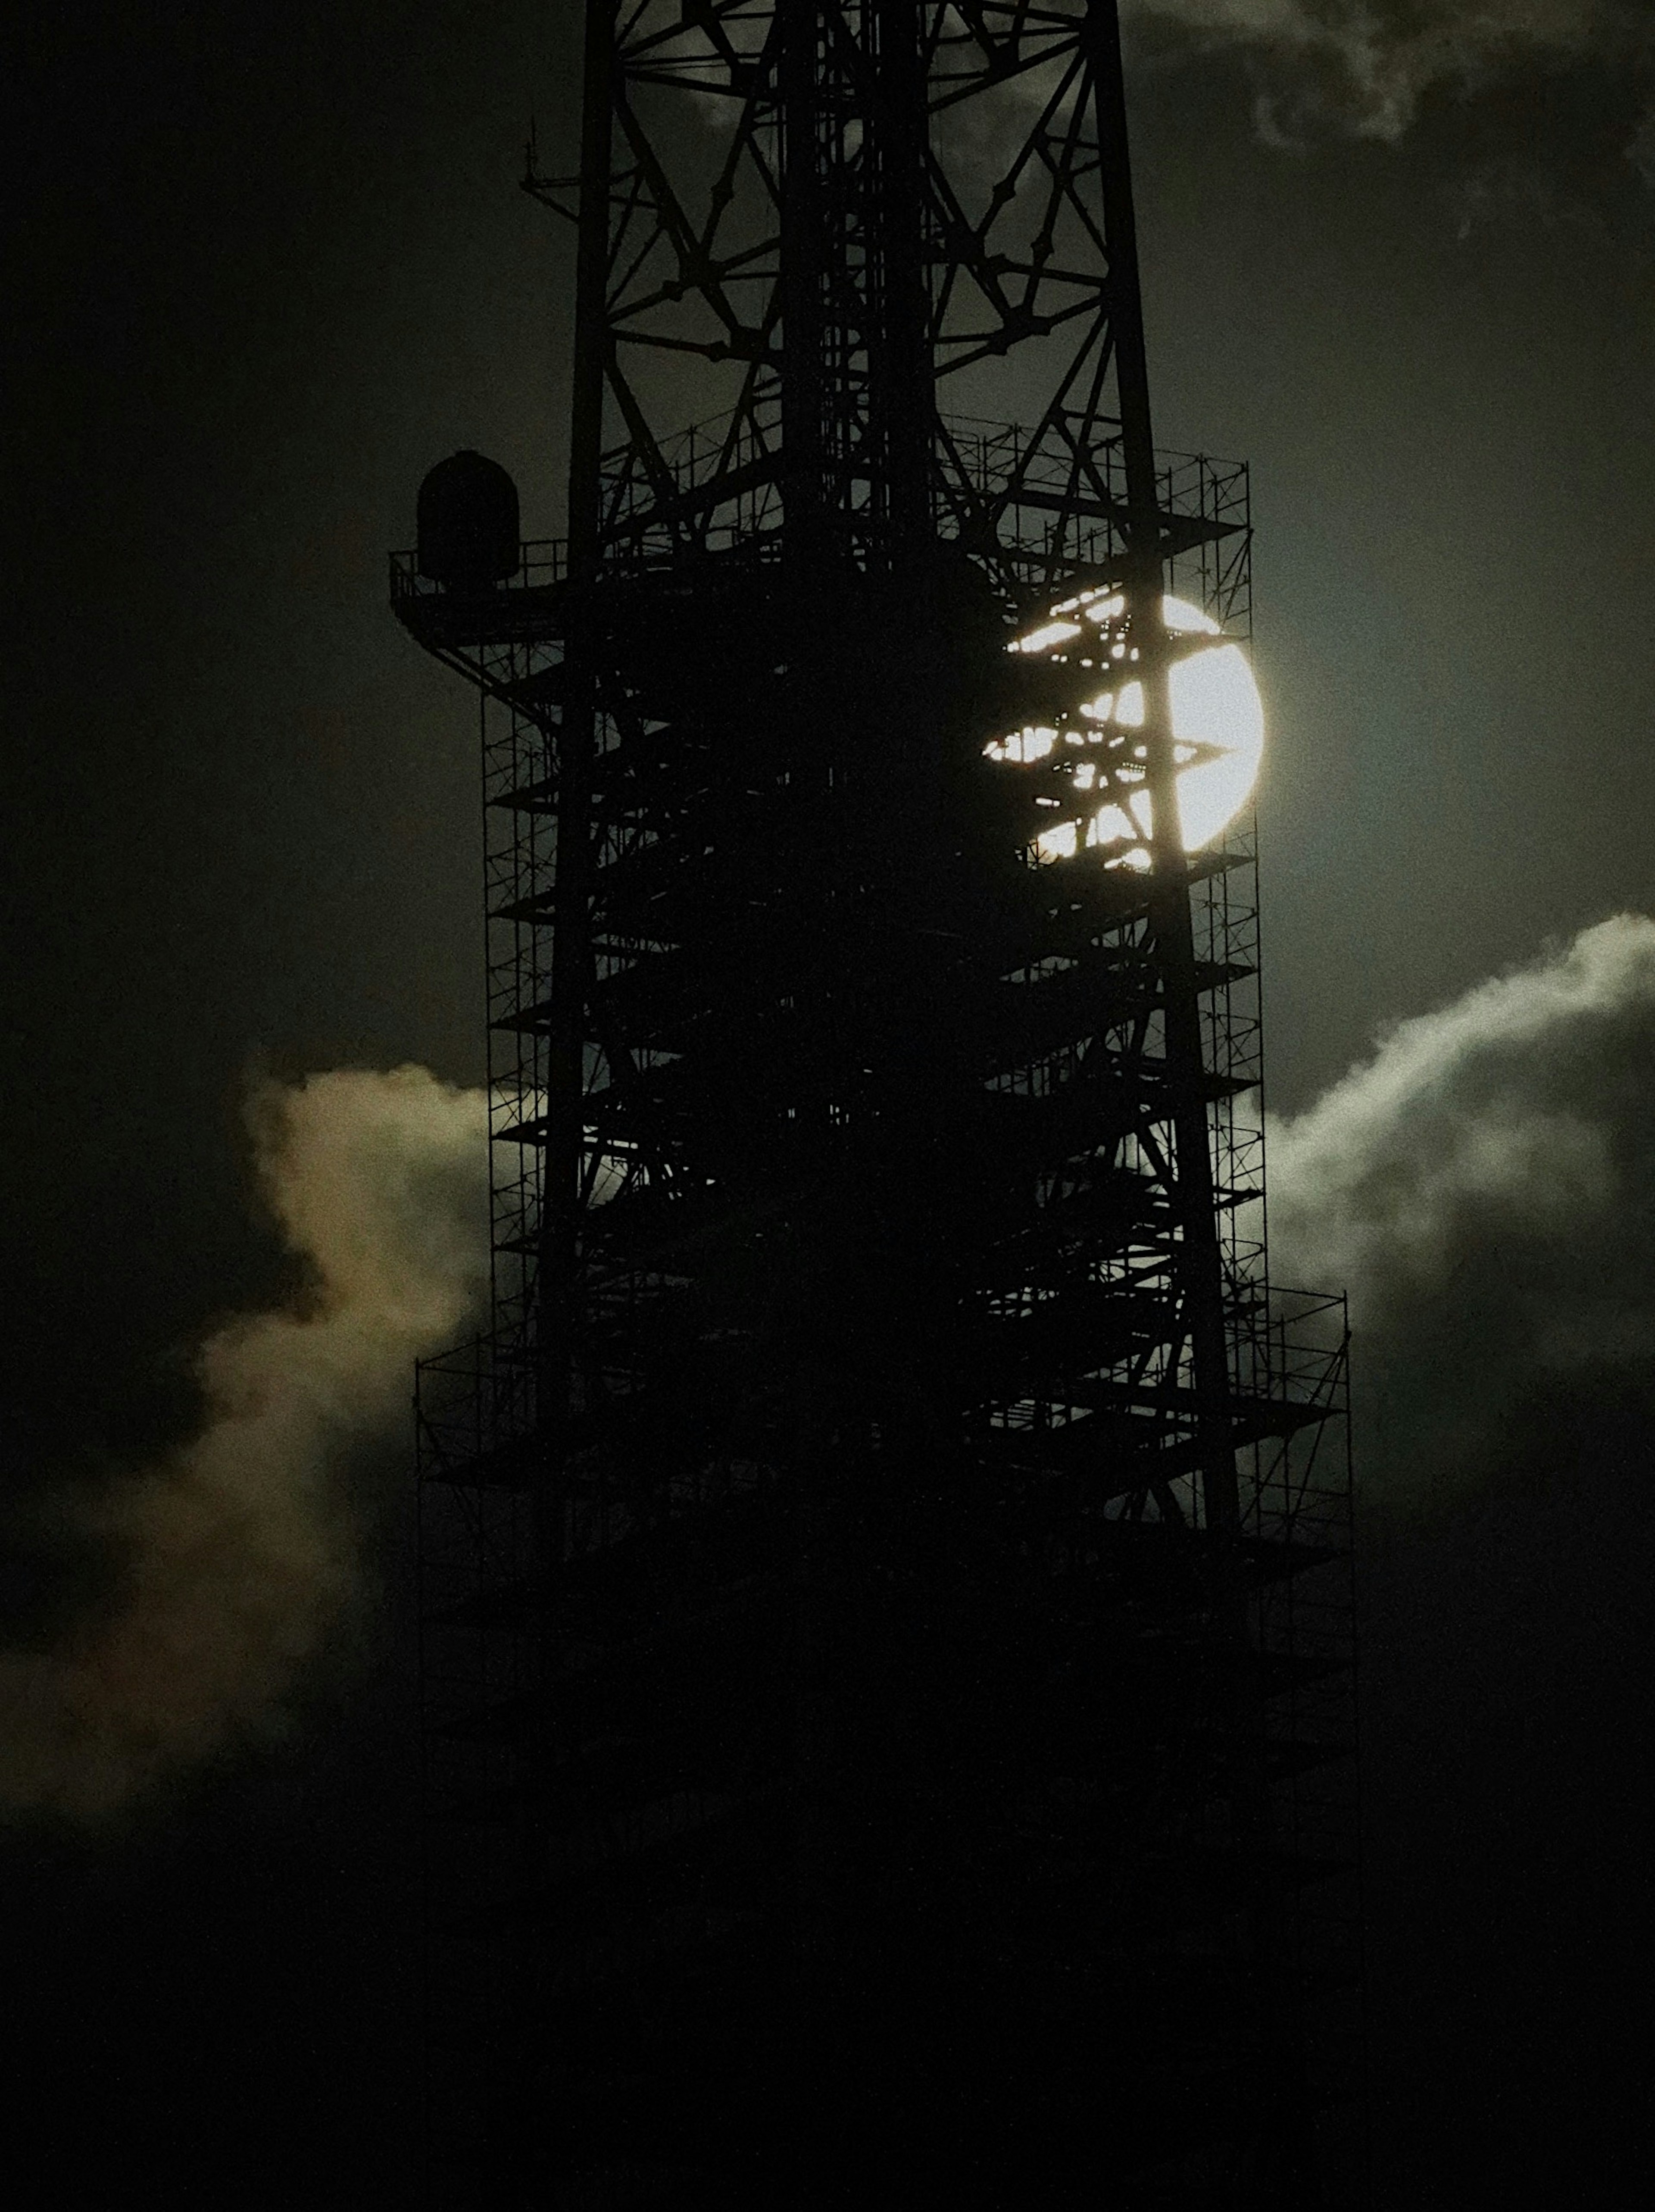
(888, 1664)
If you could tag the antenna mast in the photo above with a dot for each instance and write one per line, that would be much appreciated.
(887, 1660)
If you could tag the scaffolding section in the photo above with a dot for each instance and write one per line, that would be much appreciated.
(885, 1570)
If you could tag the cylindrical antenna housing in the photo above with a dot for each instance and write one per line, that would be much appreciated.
(467, 524)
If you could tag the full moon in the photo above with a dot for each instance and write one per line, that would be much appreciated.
(1217, 727)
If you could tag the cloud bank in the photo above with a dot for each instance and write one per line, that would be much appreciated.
(1485, 1186)
(235, 1557)
(1366, 65)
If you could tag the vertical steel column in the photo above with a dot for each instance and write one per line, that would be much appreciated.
(803, 283)
(902, 404)
(571, 958)
(555, 1315)
(1201, 1254)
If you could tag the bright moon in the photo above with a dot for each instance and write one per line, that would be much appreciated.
(1217, 726)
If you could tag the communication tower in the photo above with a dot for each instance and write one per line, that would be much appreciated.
(887, 1657)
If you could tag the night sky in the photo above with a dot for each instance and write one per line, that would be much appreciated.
(261, 271)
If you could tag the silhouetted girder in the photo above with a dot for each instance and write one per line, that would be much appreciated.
(1084, 1321)
(1013, 915)
(994, 1029)
(639, 1762)
(1118, 1098)
(1018, 916)
(1051, 912)
(628, 1772)
(1136, 1581)
(682, 681)
(1104, 1575)
(1273, 1416)
(1023, 1022)
(669, 1472)
(1141, 1409)
(1118, 1453)
(695, 502)
(515, 1464)
(686, 886)
(1047, 1706)
(716, 1856)
(1112, 1089)
(543, 689)
(779, 835)
(656, 996)
(458, 621)
(822, 1185)
(1072, 1230)
(646, 992)
(664, 1415)
(702, 906)
(690, 1226)
(1174, 534)
(699, 1233)
(770, 826)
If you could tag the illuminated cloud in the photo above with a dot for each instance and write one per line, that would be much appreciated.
(234, 1557)
(1366, 65)
(1485, 1186)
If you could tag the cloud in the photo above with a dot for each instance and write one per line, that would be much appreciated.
(1485, 1186)
(1366, 66)
(233, 1559)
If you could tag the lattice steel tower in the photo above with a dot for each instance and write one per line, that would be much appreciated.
(886, 1655)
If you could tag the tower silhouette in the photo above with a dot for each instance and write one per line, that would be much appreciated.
(884, 1571)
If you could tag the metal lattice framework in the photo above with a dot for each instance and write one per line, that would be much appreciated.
(881, 1303)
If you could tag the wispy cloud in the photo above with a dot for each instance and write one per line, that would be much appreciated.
(1366, 66)
(233, 1558)
(1485, 1186)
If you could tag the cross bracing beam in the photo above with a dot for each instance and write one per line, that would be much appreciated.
(726, 121)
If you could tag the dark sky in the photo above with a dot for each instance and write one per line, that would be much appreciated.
(261, 270)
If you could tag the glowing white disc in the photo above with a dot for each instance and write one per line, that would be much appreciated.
(1217, 726)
